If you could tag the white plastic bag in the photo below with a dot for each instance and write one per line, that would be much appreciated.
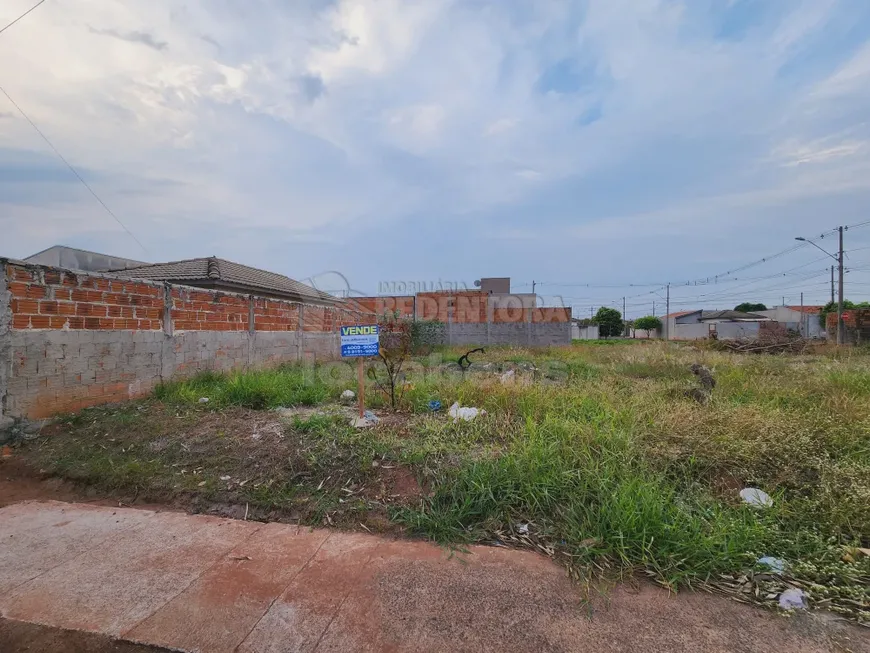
(464, 413)
(792, 599)
(755, 497)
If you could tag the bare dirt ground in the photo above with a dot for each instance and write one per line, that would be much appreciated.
(235, 463)
(20, 637)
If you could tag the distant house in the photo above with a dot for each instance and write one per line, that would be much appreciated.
(80, 260)
(804, 319)
(219, 274)
(699, 324)
(583, 329)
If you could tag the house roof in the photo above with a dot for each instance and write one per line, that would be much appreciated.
(731, 315)
(218, 271)
(812, 310)
(682, 313)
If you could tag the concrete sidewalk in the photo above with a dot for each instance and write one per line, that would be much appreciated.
(196, 583)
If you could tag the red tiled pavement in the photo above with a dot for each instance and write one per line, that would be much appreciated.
(195, 583)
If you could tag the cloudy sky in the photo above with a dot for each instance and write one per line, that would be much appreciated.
(613, 143)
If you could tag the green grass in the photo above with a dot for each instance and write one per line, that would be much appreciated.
(599, 448)
(286, 386)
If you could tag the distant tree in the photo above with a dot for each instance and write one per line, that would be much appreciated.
(749, 307)
(609, 322)
(648, 323)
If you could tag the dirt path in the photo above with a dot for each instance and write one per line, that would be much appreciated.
(18, 637)
(20, 482)
(197, 583)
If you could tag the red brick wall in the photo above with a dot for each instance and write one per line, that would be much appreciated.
(856, 322)
(46, 298)
(403, 304)
(510, 314)
(350, 315)
(205, 310)
(463, 307)
(275, 315)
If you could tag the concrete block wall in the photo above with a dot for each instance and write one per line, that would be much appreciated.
(525, 334)
(472, 317)
(70, 340)
(65, 370)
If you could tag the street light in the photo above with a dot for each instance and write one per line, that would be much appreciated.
(839, 259)
(804, 240)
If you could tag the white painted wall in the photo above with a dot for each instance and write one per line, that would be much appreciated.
(791, 319)
(697, 331)
(584, 333)
(641, 334)
(735, 330)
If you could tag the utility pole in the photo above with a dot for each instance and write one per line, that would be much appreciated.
(841, 339)
(803, 329)
(533, 286)
(668, 312)
(654, 308)
(832, 284)
(624, 323)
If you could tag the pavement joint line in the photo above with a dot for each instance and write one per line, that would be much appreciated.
(216, 561)
(343, 599)
(91, 546)
(286, 587)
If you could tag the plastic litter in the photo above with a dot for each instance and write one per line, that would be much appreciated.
(370, 416)
(203, 400)
(755, 497)
(507, 377)
(792, 599)
(464, 413)
(774, 564)
(523, 529)
(348, 395)
(434, 405)
(368, 419)
(225, 478)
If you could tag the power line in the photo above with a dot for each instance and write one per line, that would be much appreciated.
(21, 16)
(73, 170)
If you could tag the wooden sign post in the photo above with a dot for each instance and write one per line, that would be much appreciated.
(361, 390)
(358, 342)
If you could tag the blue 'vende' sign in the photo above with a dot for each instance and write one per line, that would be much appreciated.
(359, 341)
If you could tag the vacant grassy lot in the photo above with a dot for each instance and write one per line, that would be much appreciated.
(597, 455)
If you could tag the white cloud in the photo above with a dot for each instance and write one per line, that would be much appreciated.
(853, 77)
(499, 126)
(315, 118)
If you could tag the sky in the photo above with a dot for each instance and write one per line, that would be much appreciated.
(601, 148)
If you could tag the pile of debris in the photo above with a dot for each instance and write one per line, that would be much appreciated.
(765, 343)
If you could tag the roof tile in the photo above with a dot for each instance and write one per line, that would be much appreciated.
(217, 269)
